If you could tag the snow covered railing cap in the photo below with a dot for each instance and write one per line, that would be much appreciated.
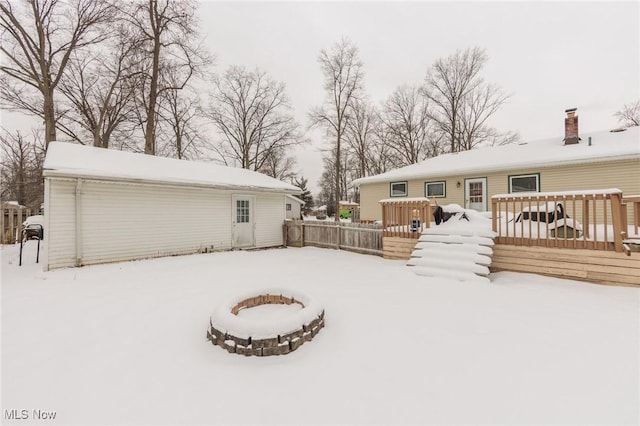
(558, 194)
(407, 200)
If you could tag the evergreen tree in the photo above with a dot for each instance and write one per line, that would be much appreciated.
(306, 194)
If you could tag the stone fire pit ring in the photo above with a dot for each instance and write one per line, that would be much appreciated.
(265, 337)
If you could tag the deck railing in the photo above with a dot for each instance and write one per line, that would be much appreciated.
(406, 217)
(632, 204)
(581, 219)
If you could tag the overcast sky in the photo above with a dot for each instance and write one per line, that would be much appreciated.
(549, 56)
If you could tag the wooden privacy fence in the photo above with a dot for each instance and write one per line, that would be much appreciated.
(595, 220)
(356, 237)
(11, 222)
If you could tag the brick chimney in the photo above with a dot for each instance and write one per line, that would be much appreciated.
(571, 127)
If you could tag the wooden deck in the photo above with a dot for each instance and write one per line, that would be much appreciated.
(602, 267)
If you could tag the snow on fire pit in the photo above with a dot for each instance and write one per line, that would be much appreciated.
(263, 333)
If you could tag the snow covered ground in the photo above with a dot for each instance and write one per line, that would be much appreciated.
(125, 344)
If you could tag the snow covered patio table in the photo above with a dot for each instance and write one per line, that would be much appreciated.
(125, 344)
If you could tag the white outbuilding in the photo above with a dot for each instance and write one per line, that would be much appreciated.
(293, 207)
(105, 205)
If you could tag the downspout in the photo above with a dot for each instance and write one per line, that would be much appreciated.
(78, 203)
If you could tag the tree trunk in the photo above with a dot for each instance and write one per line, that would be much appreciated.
(150, 135)
(179, 144)
(337, 200)
(49, 118)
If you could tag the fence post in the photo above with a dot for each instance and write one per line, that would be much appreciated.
(19, 225)
(12, 232)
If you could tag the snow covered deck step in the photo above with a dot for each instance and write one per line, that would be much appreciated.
(460, 275)
(459, 231)
(436, 252)
(450, 264)
(458, 249)
(456, 239)
(455, 248)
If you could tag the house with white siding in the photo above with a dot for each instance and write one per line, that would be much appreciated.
(599, 160)
(107, 206)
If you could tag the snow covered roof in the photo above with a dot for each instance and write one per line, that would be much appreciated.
(72, 160)
(12, 204)
(605, 146)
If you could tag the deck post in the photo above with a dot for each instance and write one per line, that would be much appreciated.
(494, 214)
(616, 212)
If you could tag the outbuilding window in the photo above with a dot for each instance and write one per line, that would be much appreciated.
(399, 189)
(435, 189)
(242, 211)
(288, 207)
(524, 183)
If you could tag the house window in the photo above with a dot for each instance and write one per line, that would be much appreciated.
(288, 207)
(524, 183)
(398, 189)
(435, 189)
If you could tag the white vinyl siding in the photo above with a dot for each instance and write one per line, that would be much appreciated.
(60, 222)
(269, 219)
(123, 221)
(126, 221)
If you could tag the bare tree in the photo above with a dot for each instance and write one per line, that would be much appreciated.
(279, 165)
(381, 157)
(493, 137)
(360, 134)
(479, 105)
(21, 168)
(170, 55)
(38, 38)
(343, 74)
(253, 117)
(454, 86)
(409, 126)
(629, 115)
(179, 114)
(100, 94)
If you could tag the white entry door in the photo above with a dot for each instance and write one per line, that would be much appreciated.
(476, 194)
(243, 221)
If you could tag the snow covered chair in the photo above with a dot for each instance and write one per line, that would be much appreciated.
(557, 223)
